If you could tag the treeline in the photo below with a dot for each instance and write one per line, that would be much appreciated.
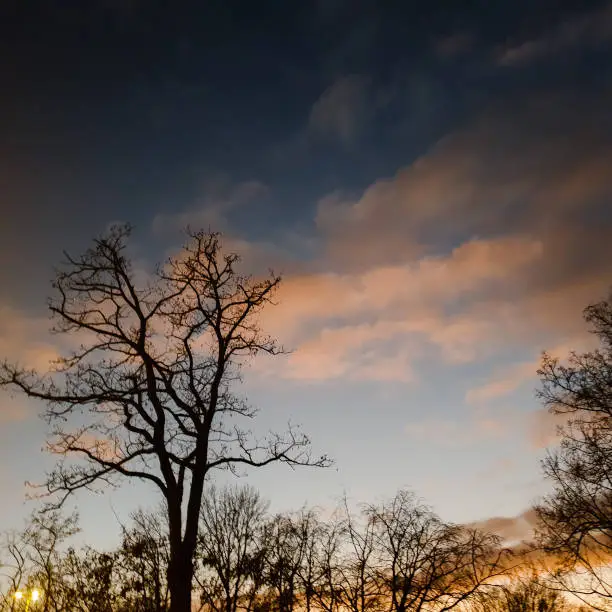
(395, 556)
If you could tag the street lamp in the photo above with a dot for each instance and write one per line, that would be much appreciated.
(34, 597)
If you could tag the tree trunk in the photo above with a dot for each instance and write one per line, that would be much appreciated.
(180, 577)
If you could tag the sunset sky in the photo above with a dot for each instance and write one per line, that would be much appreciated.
(434, 184)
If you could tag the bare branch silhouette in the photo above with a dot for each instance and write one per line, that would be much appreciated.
(149, 391)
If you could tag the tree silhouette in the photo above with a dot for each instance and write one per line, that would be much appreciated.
(149, 390)
(284, 551)
(576, 518)
(90, 582)
(37, 560)
(424, 563)
(229, 549)
(141, 563)
(527, 594)
(357, 587)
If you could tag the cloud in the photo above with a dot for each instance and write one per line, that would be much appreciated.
(509, 378)
(492, 242)
(26, 339)
(453, 46)
(586, 30)
(543, 428)
(373, 324)
(217, 200)
(106, 449)
(497, 175)
(540, 427)
(454, 434)
(512, 530)
(13, 410)
(362, 352)
(503, 383)
(341, 110)
(397, 290)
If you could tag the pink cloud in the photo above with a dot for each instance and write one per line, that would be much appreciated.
(512, 529)
(472, 249)
(26, 339)
(14, 410)
(357, 353)
(543, 428)
(504, 383)
(509, 378)
(218, 198)
(327, 317)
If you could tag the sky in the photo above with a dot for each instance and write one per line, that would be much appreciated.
(432, 180)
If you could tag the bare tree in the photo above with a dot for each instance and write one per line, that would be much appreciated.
(13, 568)
(34, 559)
(43, 536)
(229, 547)
(527, 594)
(356, 585)
(426, 564)
(327, 591)
(89, 582)
(284, 551)
(151, 382)
(142, 561)
(576, 518)
(309, 532)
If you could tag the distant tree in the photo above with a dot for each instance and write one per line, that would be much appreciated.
(89, 582)
(576, 518)
(43, 537)
(523, 595)
(424, 563)
(230, 547)
(13, 568)
(284, 550)
(357, 588)
(330, 538)
(33, 558)
(149, 390)
(310, 532)
(141, 563)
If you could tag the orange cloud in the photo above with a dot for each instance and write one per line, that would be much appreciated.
(512, 530)
(504, 383)
(543, 428)
(351, 352)
(334, 321)
(517, 199)
(14, 409)
(508, 379)
(26, 339)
